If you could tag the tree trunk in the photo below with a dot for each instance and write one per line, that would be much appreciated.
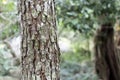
(39, 46)
(107, 64)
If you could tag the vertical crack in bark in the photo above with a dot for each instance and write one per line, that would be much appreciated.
(39, 46)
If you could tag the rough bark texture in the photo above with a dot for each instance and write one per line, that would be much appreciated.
(39, 47)
(107, 64)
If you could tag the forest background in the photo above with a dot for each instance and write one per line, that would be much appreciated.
(77, 24)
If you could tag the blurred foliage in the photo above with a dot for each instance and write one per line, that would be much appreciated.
(8, 28)
(75, 71)
(80, 46)
(8, 19)
(83, 15)
(5, 63)
(78, 53)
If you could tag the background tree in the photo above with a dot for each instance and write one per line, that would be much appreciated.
(107, 59)
(107, 62)
(39, 47)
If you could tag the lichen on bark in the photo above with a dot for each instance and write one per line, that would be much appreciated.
(39, 46)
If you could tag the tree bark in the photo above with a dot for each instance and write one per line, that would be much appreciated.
(106, 62)
(39, 46)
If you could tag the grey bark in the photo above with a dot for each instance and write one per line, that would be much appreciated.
(39, 46)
